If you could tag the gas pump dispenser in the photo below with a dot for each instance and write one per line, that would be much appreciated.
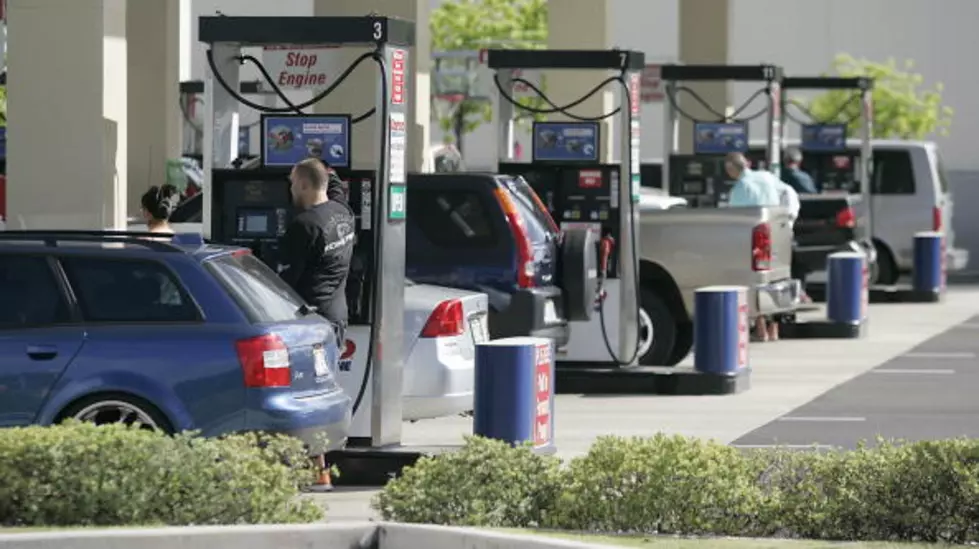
(700, 177)
(835, 166)
(253, 207)
(582, 192)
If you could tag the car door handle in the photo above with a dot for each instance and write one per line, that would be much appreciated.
(42, 352)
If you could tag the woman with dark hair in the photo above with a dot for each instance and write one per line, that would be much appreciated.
(158, 204)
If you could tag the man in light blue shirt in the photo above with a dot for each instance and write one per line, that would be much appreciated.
(749, 189)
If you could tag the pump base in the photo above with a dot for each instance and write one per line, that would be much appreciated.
(821, 329)
(649, 380)
(368, 466)
(883, 294)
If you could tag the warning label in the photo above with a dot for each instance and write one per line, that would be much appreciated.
(398, 77)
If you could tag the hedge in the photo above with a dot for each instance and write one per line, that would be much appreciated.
(922, 491)
(80, 474)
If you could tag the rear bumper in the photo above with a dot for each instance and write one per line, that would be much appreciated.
(440, 376)
(777, 297)
(525, 316)
(956, 259)
(321, 421)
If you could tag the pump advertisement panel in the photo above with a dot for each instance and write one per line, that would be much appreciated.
(720, 137)
(565, 141)
(288, 139)
(824, 137)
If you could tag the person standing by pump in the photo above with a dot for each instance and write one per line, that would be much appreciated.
(794, 175)
(316, 252)
(318, 245)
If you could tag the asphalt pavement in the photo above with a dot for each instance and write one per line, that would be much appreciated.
(926, 393)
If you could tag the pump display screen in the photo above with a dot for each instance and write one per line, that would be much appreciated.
(287, 139)
(565, 141)
(256, 223)
(823, 138)
(720, 137)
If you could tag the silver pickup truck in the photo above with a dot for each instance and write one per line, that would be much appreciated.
(684, 249)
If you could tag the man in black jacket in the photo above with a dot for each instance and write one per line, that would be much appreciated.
(318, 244)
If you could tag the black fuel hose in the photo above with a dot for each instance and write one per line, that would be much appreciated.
(378, 58)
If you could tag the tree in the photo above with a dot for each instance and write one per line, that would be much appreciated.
(477, 24)
(903, 107)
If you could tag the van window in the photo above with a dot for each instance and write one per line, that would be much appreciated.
(893, 172)
(942, 176)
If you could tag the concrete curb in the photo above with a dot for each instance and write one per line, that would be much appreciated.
(345, 535)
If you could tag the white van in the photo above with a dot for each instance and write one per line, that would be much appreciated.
(909, 194)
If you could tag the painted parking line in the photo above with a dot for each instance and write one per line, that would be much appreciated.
(828, 419)
(913, 371)
(939, 355)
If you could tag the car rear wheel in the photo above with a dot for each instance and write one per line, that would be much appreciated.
(656, 344)
(887, 273)
(117, 408)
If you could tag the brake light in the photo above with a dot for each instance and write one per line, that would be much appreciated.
(936, 219)
(264, 361)
(526, 270)
(846, 218)
(761, 247)
(446, 320)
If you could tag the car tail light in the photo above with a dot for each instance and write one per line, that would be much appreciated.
(264, 361)
(761, 247)
(846, 218)
(936, 218)
(446, 320)
(526, 269)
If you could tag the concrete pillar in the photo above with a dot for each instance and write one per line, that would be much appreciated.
(67, 124)
(358, 92)
(155, 128)
(704, 27)
(582, 25)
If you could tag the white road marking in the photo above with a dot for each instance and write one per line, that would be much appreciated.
(938, 355)
(841, 419)
(912, 371)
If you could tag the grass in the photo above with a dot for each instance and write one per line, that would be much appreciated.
(669, 542)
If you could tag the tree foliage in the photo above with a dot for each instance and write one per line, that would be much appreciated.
(477, 24)
(904, 107)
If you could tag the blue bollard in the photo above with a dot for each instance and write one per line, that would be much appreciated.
(514, 400)
(847, 291)
(928, 275)
(721, 330)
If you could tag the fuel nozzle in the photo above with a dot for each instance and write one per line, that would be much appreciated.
(605, 247)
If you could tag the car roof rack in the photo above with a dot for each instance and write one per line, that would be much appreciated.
(53, 237)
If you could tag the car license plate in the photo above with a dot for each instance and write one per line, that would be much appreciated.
(478, 328)
(550, 313)
(319, 362)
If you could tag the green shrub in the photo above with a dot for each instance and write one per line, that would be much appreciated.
(664, 484)
(486, 483)
(82, 475)
(924, 491)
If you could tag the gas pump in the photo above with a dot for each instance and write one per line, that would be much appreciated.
(581, 192)
(253, 207)
(834, 165)
(700, 177)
